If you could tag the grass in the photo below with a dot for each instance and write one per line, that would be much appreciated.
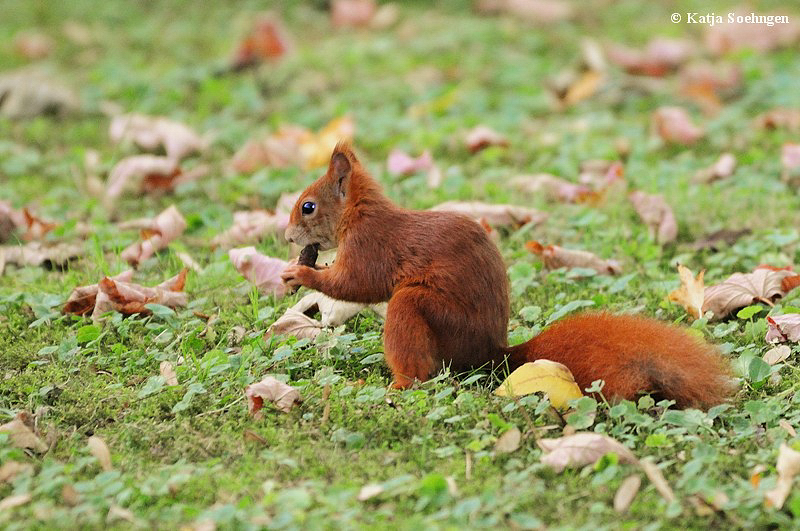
(191, 454)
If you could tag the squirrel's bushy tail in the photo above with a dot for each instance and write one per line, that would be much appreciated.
(633, 354)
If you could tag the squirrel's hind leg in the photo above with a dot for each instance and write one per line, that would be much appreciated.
(409, 343)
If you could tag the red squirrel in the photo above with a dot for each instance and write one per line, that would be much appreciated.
(448, 295)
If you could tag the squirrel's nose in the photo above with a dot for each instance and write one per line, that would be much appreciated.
(286, 235)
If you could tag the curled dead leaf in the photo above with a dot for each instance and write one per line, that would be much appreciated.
(272, 390)
(653, 473)
(657, 215)
(721, 169)
(268, 40)
(27, 93)
(99, 449)
(296, 324)
(508, 442)
(128, 298)
(155, 132)
(674, 125)
(777, 354)
(691, 293)
(555, 257)
(497, 215)
(55, 255)
(162, 229)
(261, 270)
(82, 299)
(788, 466)
(743, 289)
(549, 377)
(552, 187)
(481, 137)
(168, 372)
(783, 328)
(626, 493)
(21, 433)
(581, 449)
(660, 56)
(251, 227)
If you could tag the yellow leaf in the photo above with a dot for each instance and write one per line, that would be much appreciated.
(317, 148)
(584, 87)
(691, 294)
(549, 377)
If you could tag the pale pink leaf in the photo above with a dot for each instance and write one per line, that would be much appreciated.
(657, 215)
(674, 125)
(783, 328)
(481, 136)
(401, 163)
(494, 214)
(164, 228)
(261, 270)
(154, 132)
(272, 390)
(581, 449)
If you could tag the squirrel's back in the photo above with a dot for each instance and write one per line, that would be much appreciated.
(633, 354)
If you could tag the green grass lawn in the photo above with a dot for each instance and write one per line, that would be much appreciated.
(191, 455)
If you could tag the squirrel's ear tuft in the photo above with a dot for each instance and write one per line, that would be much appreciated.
(341, 167)
(343, 147)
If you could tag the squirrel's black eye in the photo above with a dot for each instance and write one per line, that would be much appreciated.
(308, 208)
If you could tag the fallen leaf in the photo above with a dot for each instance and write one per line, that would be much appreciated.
(743, 289)
(497, 215)
(657, 215)
(691, 293)
(777, 354)
(268, 40)
(401, 163)
(82, 299)
(54, 255)
(131, 172)
(790, 159)
(626, 493)
(128, 298)
(660, 57)
(549, 377)
(14, 500)
(151, 133)
(583, 87)
(712, 241)
(11, 469)
(653, 473)
(783, 423)
(721, 169)
(27, 93)
(369, 491)
(508, 442)
(32, 44)
(581, 449)
(28, 226)
(251, 227)
(272, 390)
(555, 257)
(783, 328)
(740, 33)
(780, 118)
(168, 372)
(788, 466)
(536, 11)
(352, 13)
(552, 187)
(99, 449)
(481, 136)
(261, 270)
(707, 84)
(21, 433)
(294, 323)
(164, 228)
(674, 126)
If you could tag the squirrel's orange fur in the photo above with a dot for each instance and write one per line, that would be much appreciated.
(448, 298)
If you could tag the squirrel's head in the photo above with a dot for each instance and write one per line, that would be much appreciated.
(316, 215)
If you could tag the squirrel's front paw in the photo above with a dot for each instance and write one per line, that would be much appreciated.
(298, 275)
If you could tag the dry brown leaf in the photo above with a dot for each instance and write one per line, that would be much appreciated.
(296, 324)
(580, 449)
(739, 34)
(261, 270)
(27, 93)
(691, 293)
(743, 289)
(272, 390)
(128, 298)
(777, 354)
(267, 41)
(251, 227)
(783, 423)
(783, 328)
(657, 215)
(163, 228)
(166, 370)
(14, 500)
(33, 44)
(11, 469)
(536, 11)
(155, 132)
(660, 57)
(508, 442)
(28, 226)
(36, 254)
(82, 299)
(788, 466)
(707, 84)
(653, 473)
(721, 169)
(99, 449)
(370, 491)
(481, 136)
(555, 257)
(674, 126)
(552, 187)
(495, 215)
(21, 433)
(352, 13)
(626, 493)
(131, 172)
(780, 118)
